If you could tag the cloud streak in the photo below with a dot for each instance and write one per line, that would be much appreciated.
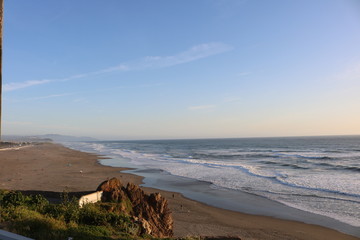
(149, 62)
(41, 97)
(190, 55)
(50, 96)
(14, 86)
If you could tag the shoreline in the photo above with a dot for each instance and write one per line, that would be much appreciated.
(224, 198)
(233, 200)
(53, 167)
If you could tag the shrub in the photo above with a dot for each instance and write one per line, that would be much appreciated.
(33, 216)
(13, 199)
(37, 202)
(68, 210)
(90, 214)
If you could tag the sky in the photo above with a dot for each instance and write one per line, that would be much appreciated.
(181, 69)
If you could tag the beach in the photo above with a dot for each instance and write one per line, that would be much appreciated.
(53, 168)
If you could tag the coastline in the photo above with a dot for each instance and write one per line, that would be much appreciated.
(55, 168)
(236, 200)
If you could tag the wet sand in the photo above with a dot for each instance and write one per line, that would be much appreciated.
(50, 167)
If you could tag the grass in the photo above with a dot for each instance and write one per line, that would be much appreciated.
(33, 216)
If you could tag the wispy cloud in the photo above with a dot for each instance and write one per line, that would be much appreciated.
(149, 62)
(40, 98)
(201, 107)
(14, 86)
(121, 67)
(192, 54)
(7, 87)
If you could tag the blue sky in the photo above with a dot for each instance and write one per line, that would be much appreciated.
(181, 69)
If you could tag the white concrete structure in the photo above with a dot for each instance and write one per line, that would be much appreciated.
(90, 198)
(4, 235)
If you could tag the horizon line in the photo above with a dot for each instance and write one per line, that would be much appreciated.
(195, 138)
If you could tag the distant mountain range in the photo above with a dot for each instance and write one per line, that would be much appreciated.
(47, 138)
(65, 138)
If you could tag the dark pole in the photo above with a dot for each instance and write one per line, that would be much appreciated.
(1, 33)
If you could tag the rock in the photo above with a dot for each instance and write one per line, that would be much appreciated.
(110, 185)
(112, 191)
(163, 215)
(150, 211)
(135, 194)
(146, 226)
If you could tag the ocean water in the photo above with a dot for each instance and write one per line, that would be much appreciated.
(320, 175)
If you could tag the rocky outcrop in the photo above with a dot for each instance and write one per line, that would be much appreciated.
(150, 211)
(112, 191)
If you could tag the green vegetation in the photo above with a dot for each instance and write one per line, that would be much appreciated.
(33, 216)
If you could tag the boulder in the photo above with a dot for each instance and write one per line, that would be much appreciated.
(150, 211)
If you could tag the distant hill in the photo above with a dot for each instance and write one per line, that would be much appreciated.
(18, 138)
(47, 138)
(65, 138)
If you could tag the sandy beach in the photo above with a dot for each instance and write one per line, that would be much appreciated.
(52, 168)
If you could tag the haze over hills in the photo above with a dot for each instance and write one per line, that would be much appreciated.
(66, 138)
(47, 137)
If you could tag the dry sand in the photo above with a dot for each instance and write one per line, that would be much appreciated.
(50, 167)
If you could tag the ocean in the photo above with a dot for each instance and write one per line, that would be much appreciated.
(319, 175)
